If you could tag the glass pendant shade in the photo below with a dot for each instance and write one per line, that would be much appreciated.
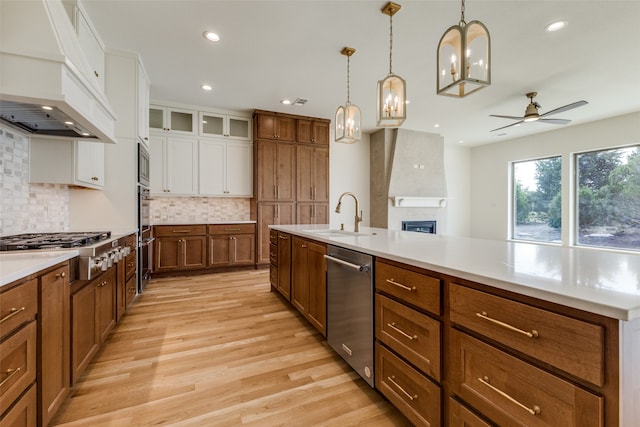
(464, 59)
(348, 119)
(391, 105)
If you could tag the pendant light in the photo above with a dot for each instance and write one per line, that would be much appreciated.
(464, 58)
(392, 94)
(348, 116)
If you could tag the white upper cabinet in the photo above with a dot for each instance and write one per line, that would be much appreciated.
(90, 42)
(173, 165)
(228, 126)
(225, 168)
(168, 119)
(70, 162)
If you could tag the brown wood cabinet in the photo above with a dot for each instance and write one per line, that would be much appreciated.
(275, 171)
(313, 131)
(54, 341)
(93, 311)
(312, 164)
(312, 213)
(271, 214)
(309, 281)
(24, 413)
(231, 244)
(275, 126)
(180, 247)
(284, 265)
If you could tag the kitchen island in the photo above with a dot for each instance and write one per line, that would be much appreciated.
(528, 334)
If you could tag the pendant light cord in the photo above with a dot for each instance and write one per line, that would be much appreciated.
(391, 41)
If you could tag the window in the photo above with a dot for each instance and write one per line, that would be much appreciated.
(608, 198)
(537, 200)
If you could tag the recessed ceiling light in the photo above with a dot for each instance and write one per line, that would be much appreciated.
(85, 134)
(555, 26)
(461, 142)
(436, 125)
(211, 36)
(46, 107)
(286, 101)
(207, 87)
(68, 123)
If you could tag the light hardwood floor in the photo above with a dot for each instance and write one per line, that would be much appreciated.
(220, 350)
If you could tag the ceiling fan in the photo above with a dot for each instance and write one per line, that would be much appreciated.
(531, 113)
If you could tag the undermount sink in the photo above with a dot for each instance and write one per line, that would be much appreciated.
(338, 233)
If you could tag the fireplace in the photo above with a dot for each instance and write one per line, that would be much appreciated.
(420, 226)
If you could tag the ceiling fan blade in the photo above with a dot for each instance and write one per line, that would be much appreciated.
(507, 117)
(555, 121)
(565, 108)
(508, 126)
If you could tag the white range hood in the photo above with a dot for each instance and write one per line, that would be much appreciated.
(42, 63)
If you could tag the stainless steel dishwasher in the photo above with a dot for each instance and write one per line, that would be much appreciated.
(350, 308)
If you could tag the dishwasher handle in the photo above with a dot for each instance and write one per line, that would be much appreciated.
(347, 264)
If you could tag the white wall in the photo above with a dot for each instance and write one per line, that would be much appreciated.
(349, 171)
(490, 167)
(457, 165)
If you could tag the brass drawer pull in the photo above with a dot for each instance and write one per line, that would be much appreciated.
(63, 275)
(393, 326)
(410, 397)
(181, 231)
(534, 411)
(14, 311)
(10, 373)
(284, 237)
(400, 285)
(532, 334)
(231, 229)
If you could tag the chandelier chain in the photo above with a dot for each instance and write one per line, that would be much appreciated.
(462, 12)
(390, 42)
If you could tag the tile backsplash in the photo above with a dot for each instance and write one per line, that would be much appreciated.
(25, 207)
(174, 210)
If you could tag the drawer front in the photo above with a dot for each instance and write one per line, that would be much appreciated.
(179, 230)
(273, 276)
(130, 265)
(572, 345)
(17, 364)
(511, 392)
(407, 389)
(232, 229)
(460, 416)
(24, 413)
(411, 334)
(18, 305)
(273, 254)
(414, 288)
(273, 237)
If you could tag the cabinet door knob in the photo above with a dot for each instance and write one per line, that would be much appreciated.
(63, 275)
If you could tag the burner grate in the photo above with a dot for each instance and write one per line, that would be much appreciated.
(51, 240)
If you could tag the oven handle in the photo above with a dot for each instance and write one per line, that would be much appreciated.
(147, 241)
(347, 264)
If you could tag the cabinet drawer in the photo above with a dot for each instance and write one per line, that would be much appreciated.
(24, 412)
(273, 237)
(17, 364)
(273, 254)
(411, 334)
(409, 391)
(512, 392)
(571, 345)
(460, 416)
(232, 229)
(179, 230)
(18, 305)
(414, 288)
(130, 265)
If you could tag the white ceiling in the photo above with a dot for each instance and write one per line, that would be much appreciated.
(270, 50)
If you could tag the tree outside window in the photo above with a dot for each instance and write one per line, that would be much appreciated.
(537, 200)
(608, 193)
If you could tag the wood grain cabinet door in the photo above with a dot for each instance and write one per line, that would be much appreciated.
(244, 249)
(105, 294)
(300, 275)
(194, 252)
(284, 265)
(167, 253)
(219, 250)
(54, 315)
(84, 336)
(317, 269)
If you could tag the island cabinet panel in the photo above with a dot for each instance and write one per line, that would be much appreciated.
(309, 281)
(417, 289)
(574, 346)
(512, 392)
(24, 413)
(54, 340)
(284, 265)
(410, 333)
(407, 389)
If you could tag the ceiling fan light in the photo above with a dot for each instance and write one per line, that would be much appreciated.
(463, 59)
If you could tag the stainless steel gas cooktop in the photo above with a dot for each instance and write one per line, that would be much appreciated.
(52, 240)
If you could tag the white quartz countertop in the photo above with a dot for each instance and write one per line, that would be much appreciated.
(202, 222)
(597, 281)
(17, 265)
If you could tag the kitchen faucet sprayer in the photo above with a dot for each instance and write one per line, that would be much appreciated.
(358, 219)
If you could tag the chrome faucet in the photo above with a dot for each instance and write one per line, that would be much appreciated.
(358, 219)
